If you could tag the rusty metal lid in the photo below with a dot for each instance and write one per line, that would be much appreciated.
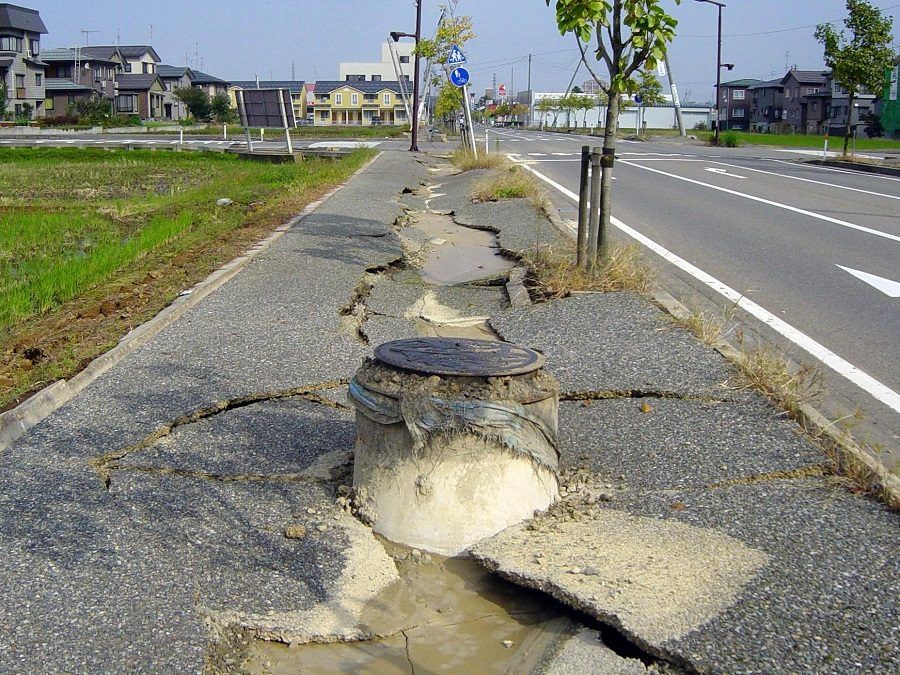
(459, 356)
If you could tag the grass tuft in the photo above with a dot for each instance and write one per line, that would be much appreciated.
(509, 182)
(554, 273)
(464, 160)
(768, 371)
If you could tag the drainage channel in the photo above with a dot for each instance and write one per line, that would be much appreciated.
(443, 615)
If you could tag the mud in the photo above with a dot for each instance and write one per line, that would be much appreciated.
(443, 615)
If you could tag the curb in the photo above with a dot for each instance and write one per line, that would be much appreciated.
(16, 422)
(855, 166)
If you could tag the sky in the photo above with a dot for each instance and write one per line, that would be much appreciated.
(237, 40)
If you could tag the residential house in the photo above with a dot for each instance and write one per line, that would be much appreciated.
(21, 67)
(174, 77)
(140, 94)
(359, 103)
(798, 84)
(310, 98)
(385, 70)
(138, 59)
(735, 102)
(766, 106)
(213, 86)
(78, 73)
(890, 102)
(840, 113)
(296, 87)
(814, 111)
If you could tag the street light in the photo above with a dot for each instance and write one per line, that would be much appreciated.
(719, 64)
(395, 36)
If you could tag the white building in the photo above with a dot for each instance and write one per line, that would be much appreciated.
(384, 69)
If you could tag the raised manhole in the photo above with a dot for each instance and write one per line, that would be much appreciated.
(459, 357)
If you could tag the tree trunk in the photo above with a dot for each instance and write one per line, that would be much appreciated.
(609, 152)
(849, 121)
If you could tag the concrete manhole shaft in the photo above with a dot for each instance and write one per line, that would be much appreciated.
(449, 450)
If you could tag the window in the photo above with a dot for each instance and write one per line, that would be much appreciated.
(376, 78)
(20, 81)
(323, 114)
(355, 78)
(127, 67)
(386, 99)
(126, 103)
(739, 94)
(787, 93)
(354, 99)
(71, 102)
(98, 73)
(48, 104)
(339, 99)
(64, 71)
(404, 59)
(38, 80)
(737, 112)
(35, 47)
(9, 43)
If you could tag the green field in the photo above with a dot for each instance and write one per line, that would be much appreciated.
(836, 143)
(78, 227)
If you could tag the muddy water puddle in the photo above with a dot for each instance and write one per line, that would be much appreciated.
(444, 615)
(458, 254)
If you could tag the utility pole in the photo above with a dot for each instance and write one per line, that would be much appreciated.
(151, 34)
(530, 99)
(512, 85)
(719, 6)
(494, 94)
(293, 71)
(395, 36)
(678, 118)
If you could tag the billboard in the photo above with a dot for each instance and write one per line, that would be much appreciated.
(266, 108)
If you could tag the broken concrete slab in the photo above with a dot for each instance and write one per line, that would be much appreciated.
(519, 226)
(799, 573)
(671, 443)
(618, 342)
(584, 653)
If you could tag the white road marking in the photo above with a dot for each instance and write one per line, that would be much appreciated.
(866, 174)
(345, 144)
(808, 180)
(887, 286)
(844, 368)
(723, 172)
(818, 153)
(761, 200)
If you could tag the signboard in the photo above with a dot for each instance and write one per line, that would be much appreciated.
(266, 108)
(501, 90)
(456, 58)
(661, 68)
(459, 77)
(895, 76)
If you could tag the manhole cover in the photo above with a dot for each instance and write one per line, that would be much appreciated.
(459, 356)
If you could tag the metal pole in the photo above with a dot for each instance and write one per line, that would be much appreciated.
(414, 146)
(287, 130)
(719, 77)
(243, 115)
(486, 146)
(594, 221)
(530, 100)
(678, 118)
(471, 134)
(581, 260)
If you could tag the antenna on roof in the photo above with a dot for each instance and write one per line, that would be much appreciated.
(87, 36)
(293, 71)
(118, 37)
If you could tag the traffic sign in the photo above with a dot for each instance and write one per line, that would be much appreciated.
(501, 90)
(456, 58)
(638, 99)
(459, 77)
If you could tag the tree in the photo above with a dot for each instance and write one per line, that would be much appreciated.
(94, 110)
(4, 99)
(625, 35)
(449, 104)
(197, 102)
(858, 60)
(649, 89)
(544, 106)
(452, 30)
(583, 102)
(220, 108)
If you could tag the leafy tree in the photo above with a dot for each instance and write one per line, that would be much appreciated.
(449, 103)
(626, 36)
(452, 30)
(649, 89)
(576, 89)
(544, 106)
(220, 108)
(858, 60)
(4, 99)
(584, 103)
(196, 100)
(94, 110)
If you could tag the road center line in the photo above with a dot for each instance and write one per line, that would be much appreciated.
(844, 368)
(807, 180)
(761, 200)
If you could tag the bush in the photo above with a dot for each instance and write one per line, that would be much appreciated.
(701, 126)
(730, 140)
(58, 121)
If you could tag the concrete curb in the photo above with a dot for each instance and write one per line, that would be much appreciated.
(810, 417)
(16, 422)
(855, 166)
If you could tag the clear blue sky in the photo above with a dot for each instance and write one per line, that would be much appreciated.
(237, 39)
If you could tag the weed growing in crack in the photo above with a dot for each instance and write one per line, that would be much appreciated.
(707, 327)
(464, 160)
(555, 275)
(509, 182)
(768, 371)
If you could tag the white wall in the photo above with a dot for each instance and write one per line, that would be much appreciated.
(383, 68)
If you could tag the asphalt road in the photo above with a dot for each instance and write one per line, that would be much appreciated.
(755, 224)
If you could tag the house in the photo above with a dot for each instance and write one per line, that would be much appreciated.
(213, 86)
(766, 106)
(137, 59)
(734, 104)
(388, 69)
(814, 111)
(78, 73)
(359, 103)
(296, 87)
(890, 102)
(21, 67)
(797, 84)
(140, 94)
(840, 113)
(174, 77)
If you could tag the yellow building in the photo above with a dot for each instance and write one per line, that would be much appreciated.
(296, 87)
(359, 104)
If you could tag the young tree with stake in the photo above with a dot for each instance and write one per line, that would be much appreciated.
(626, 36)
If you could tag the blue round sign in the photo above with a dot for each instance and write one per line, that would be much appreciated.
(638, 99)
(459, 77)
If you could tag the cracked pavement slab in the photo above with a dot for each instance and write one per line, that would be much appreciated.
(670, 443)
(585, 653)
(618, 342)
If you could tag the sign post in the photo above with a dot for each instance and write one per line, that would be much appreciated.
(459, 77)
(266, 108)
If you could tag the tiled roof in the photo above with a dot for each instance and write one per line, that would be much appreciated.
(294, 86)
(205, 78)
(746, 83)
(68, 54)
(806, 76)
(136, 81)
(173, 71)
(60, 84)
(21, 18)
(132, 51)
(328, 86)
(768, 84)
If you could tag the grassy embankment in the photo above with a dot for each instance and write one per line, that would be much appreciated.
(836, 143)
(93, 243)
